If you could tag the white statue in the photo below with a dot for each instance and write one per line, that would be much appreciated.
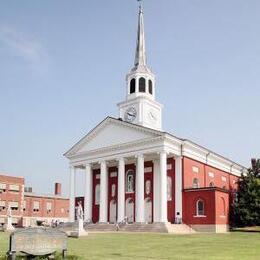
(80, 225)
(80, 212)
(9, 226)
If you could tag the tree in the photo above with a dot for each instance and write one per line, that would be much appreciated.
(246, 206)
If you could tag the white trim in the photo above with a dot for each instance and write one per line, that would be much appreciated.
(159, 141)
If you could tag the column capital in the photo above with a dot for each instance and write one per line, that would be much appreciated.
(139, 155)
(178, 157)
(88, 165)
(164, 151)
(102, 162)
(71, 166)
(122, 159)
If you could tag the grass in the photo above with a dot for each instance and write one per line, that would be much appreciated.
(235, 245)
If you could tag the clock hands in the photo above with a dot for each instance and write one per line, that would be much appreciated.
(130, 114)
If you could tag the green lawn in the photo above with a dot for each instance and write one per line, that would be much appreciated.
(235, 245)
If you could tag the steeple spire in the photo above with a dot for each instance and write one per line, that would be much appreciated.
(140, 55)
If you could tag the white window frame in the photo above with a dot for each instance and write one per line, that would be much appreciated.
(198, 213)
(130, 173)
(97, 194)
(197, 184)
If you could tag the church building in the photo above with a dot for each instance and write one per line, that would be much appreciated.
(136, 172)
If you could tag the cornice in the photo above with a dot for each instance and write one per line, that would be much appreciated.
(119, 147)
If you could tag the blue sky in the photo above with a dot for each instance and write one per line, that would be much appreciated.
(63, 66)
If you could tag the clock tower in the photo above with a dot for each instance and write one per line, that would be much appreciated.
(140, 106)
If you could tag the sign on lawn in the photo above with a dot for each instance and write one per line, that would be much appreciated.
(37, 241)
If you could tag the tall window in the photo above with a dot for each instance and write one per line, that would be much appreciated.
(36, 206)
(48, 207)
(130, 181)
(200, 208)
(132, 86)
(150, 87)
(142, 85)
(169, 188)
(195, 183)
(97, 194)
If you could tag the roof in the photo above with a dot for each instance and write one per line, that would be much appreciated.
(184, 141)
(49, 196)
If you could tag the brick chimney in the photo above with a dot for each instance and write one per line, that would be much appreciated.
(57, 188)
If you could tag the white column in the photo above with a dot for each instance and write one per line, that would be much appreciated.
(178, 187)
(121, 190)
(156, 191)
(88, 193)
(72, 194)
(103, 193)
(139, 201)
(163, 187)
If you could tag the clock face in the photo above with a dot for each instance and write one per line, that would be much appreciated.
(152, 116)
(130, 114)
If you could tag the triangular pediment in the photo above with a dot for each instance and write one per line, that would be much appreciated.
(112, 132)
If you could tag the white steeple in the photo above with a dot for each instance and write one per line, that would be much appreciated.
(140, 53)
(140, 106)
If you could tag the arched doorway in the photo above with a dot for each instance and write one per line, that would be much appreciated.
(112, 211)
(148, 210)
(129, 210)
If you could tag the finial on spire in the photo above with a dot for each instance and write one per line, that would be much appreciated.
(140, 5)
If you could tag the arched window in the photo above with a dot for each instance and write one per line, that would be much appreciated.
(223, 207)
(130, 181)
(169, 188)
(200, 211)
(113, 190)
(142, 85)
(148, 187)
(97, 194)
(150, 87)
(132, 86)
(211, 184)
(195, 183)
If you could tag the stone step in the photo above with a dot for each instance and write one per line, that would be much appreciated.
(134, 227)
(179, 229)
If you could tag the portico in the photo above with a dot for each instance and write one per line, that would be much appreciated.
(152, 152)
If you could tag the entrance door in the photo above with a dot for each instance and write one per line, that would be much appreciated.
(148, 210)
(129, 209)
(112, 212)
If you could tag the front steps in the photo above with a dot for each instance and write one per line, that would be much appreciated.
(138, 227)
(135, 227)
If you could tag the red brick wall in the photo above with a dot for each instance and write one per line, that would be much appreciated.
(189, 175)
(204, 175)
(12, 196)
(59, 208)
(189, 210)
(222, 207)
